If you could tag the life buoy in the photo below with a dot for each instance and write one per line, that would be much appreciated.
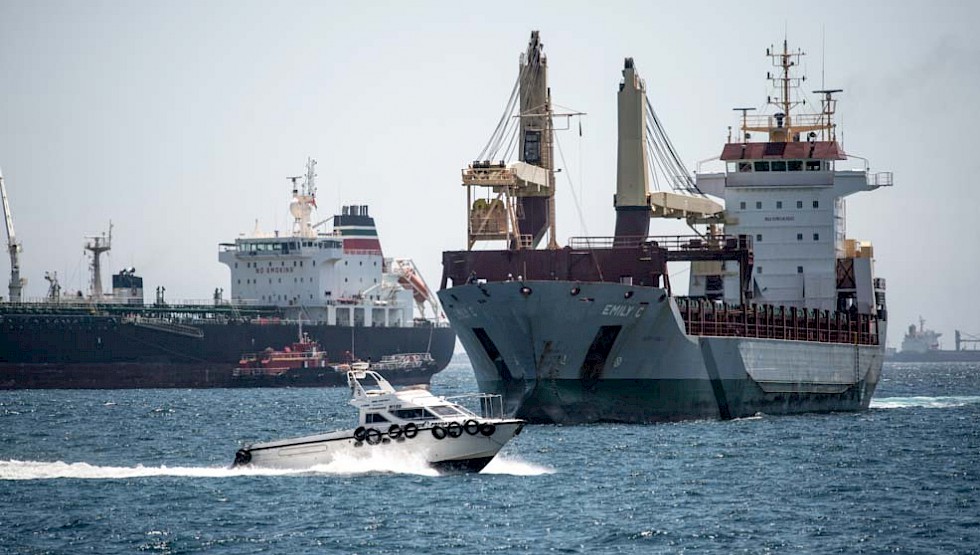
(487, 429)
(372, 436)
(411, 430)
(242, 457)
(438, 432)
(454, 429)
(472, 427)
(394, 431)
(359, 433)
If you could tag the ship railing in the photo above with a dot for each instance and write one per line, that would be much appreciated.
(164, 325)
(486, 405)
(703, 317)
(669, 242)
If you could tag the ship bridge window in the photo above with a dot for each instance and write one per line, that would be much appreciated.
(813, 165)
(445, 410)
(778, 165)
(413, 414)
(794, 165)
(744, 167)
(762, 166)
(374, 418)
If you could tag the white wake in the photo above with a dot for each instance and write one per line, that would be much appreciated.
(515, 467)
(924, 402)
(342, 466)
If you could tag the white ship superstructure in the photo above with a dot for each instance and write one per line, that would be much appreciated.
(787, 195)
(338, 278)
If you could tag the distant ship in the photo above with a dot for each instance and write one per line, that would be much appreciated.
(349, 298)
(784, 313)
(922, 345)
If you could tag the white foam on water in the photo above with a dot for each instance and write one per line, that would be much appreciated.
(340, 466)
(924, 402)
(515, 467)
(41, 470)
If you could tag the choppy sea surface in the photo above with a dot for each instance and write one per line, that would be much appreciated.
(147, 471)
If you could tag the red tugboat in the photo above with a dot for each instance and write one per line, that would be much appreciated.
(304, 353)
(304, 361)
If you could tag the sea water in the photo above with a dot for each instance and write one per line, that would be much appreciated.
(147, 471)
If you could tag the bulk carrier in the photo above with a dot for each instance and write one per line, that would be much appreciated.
(783, 312)
(334, 288)
(921, 344)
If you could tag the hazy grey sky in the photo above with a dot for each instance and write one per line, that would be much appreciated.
(179, 121)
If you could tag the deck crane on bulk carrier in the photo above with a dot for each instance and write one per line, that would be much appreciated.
(17, 283)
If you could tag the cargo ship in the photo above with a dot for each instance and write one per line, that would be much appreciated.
(921, 344)
(783, 313)
(337, 286)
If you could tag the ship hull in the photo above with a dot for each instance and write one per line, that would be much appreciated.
(568, 352)
(106, 352)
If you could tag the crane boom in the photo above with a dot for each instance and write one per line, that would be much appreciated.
(13, 247)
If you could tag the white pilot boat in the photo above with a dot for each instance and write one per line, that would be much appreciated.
(399, 423)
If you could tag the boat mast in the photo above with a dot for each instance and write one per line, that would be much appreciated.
(98, 245)
(17, 283)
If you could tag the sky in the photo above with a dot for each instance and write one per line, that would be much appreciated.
(180, 121)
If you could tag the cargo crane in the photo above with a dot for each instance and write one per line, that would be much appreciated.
(963, 338)
(17, 283)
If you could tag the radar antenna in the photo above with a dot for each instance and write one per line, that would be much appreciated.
(14, 247)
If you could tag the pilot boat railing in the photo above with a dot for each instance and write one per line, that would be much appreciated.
(489, 405)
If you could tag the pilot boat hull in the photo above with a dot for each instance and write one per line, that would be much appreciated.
(466, 452)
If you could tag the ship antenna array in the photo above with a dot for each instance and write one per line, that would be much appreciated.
(14, 247)
(782, 81)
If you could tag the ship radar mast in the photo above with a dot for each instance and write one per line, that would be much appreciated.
(304, 201)
(786, 124)
(98, 244)
(14, 247)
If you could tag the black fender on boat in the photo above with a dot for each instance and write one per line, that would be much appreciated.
(394, 431)
(360, 433)
(242, 457)
(411, 430)
(454, 429)
(487, 429)
(438, 432)
(472, 427)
